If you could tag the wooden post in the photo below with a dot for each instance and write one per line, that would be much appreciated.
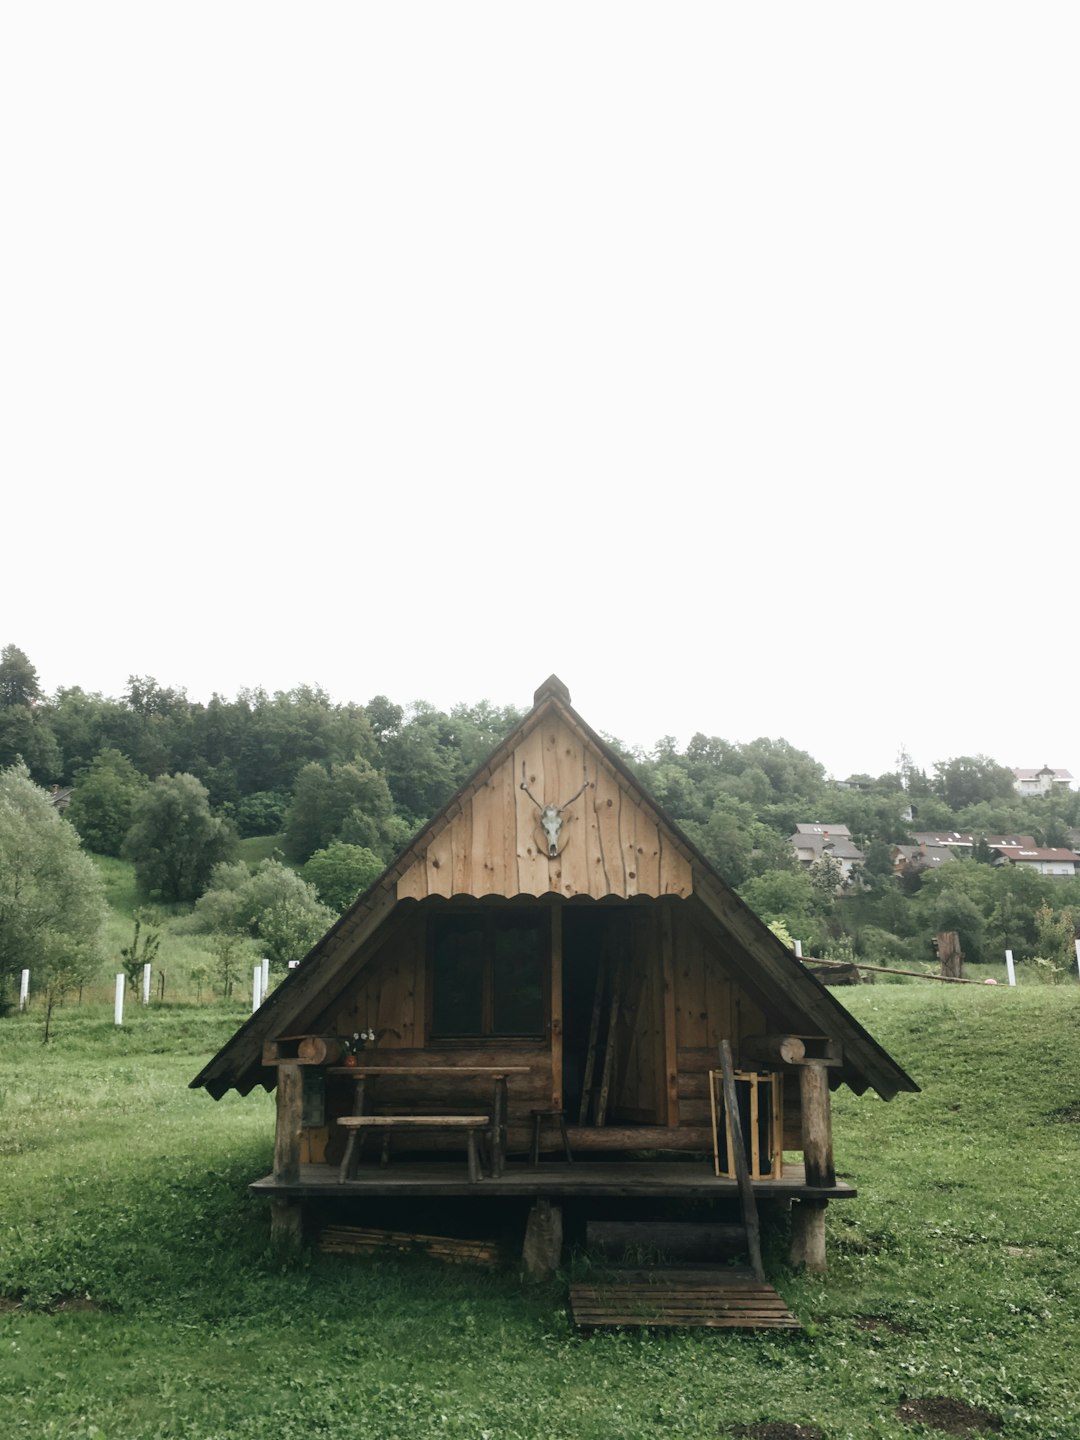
(286, 1214)
(543, 1240)
(556, 1007)
(816, 1125)
(290, 1114)
(738, 1158)
(949, 954)
(668, 1099)
(808, 1216)
(286, 1221)
(808, 1236)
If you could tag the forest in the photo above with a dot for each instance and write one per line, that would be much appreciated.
(186, 791)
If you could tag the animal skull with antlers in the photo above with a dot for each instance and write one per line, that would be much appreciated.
(551, 819)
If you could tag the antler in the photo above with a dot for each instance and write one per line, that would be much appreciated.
(584, 787)
(528, 792)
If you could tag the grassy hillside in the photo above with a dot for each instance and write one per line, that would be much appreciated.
(143, 1301)
(186, 960)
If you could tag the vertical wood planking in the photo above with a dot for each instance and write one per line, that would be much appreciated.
(440, 864)
(506, 828)
(691, 1011)
(488, 871)
(413, 884)
(647, 852)
(532, 862)
(462, 848)
(608, 802)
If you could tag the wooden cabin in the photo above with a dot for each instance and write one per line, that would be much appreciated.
(552, 967)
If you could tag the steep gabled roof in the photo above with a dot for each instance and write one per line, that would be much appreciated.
(486, 841)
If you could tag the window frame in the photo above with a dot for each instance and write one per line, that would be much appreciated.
(490, 921)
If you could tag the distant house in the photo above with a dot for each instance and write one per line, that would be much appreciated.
(920, 857)
(810, 842)
(956, 841)
(1041, 782)
(1044, 860)
(59, 799)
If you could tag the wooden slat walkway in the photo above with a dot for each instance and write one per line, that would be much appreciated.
(701, 1299)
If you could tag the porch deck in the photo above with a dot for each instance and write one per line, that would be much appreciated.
(671, 1180)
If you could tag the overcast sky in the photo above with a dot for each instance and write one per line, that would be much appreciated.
(722, 359)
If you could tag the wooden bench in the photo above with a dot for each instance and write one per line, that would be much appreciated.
(360, 1125)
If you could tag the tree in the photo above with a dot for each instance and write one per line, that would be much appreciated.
(52, 901)
(175, 841)
(18, 679)
(342, 872)
(967, 779)
(26, 735)
(103, 801)
(141, 952)
(1056, 937)
(270, 904)
(343, 802)
(827, 874)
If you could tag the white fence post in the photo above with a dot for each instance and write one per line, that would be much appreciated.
(256, 986)
(265, 975)
(798, 948)
(1010, 967)
(118, 1008)
(146, 984)
(24, 989)
(1077, 944)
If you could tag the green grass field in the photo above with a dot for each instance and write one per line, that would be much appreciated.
(142, 1300)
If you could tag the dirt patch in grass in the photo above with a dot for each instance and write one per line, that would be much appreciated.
(954, 1417)
(777, 1430)
(74, 1302)
(6, 1303)
(1066, 1114)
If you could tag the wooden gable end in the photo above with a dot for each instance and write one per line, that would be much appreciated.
(490, 841)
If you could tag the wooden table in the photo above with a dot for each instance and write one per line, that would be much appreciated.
(497, 1073)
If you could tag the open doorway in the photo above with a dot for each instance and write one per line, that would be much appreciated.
(603, 982)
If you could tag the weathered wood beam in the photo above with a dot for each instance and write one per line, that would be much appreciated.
(816, 1125)
(742, 1172)
(775, 1049)
(808, 1236)
(290, 1116)
(542, 1250)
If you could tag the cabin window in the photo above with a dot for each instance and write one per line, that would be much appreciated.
(488, 975)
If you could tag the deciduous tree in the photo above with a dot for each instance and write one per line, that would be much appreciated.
(270, 904)
(103, 801)
(52, 901)
(342, 872)
(175, 840)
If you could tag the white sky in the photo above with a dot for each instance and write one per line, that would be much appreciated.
(721, 358)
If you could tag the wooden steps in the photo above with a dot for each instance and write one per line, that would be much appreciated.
(670, 1298)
